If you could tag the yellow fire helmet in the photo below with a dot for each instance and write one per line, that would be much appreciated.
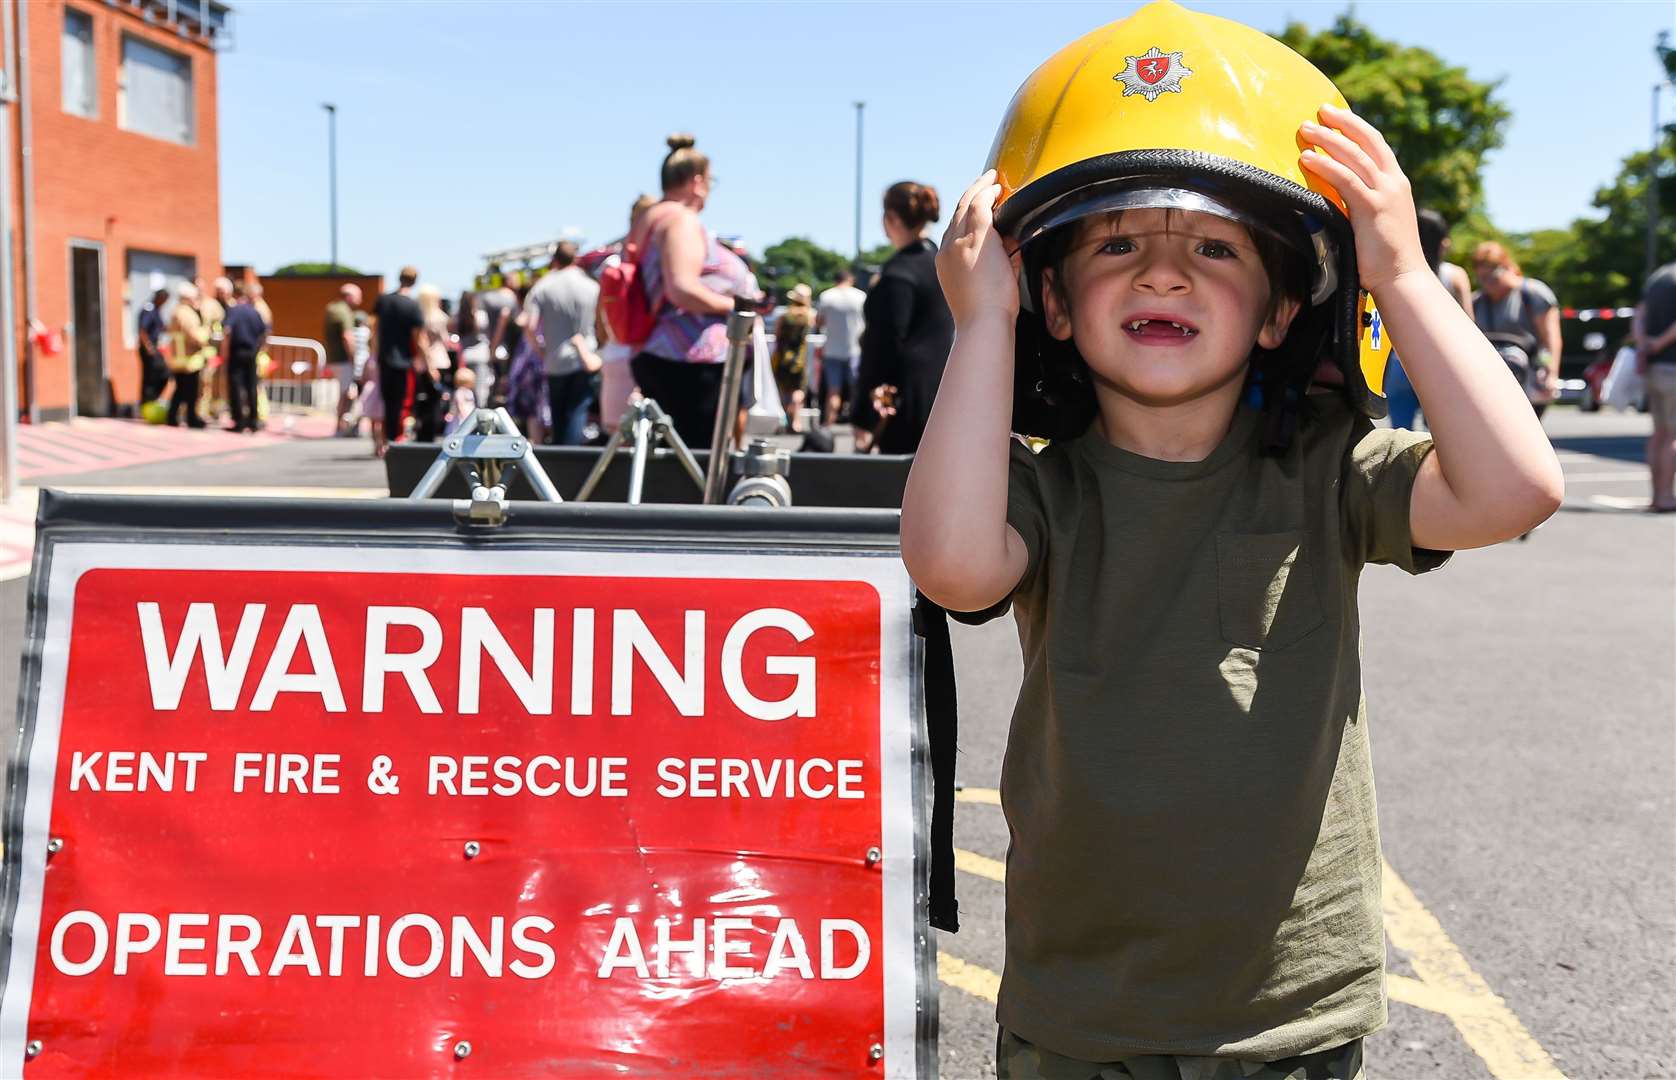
(1171, 108)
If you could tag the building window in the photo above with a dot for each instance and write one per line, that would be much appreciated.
(155, 96)
(81, 87)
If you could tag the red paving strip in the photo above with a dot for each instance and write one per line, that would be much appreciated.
(86, 445)
(17, 538)
(41, 442)
(112, 440)
(57, 454)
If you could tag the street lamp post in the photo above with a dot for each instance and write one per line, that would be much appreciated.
(1661, 50)
(859, 107)
(1653, 190)
(332, 168)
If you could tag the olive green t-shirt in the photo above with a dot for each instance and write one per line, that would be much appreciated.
(340, 320)
(1194, 863)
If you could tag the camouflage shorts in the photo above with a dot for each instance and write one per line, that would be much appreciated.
(1016, 1059)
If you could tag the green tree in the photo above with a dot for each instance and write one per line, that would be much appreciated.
(1439, 121)
(876, 257)
(308, 269)
(799, 259)
(1472, 230)
(1593, 263)
(1546, 255)
(1602, 263)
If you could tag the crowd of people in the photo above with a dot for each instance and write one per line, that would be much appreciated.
(566, 352)
(208, 355)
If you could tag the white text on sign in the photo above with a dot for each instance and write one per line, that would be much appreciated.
(199, 644)
(417, 946)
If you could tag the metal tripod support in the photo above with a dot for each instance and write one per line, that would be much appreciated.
(645, 423)
(739, 326)
(488, 450)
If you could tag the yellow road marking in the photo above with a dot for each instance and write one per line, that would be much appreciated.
(1488, 1026)
(1423, 996)
(982, 866)
(1446, 983)
(977, 981)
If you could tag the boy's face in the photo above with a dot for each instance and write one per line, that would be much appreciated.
(1164, 304)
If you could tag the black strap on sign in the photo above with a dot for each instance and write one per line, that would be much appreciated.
(942, 730)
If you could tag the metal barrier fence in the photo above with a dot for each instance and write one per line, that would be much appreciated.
(298, 382)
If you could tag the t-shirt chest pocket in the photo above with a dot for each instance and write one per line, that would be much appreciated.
(1266, 593)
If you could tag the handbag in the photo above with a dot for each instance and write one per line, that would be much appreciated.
(1623, 387)
(765, 416)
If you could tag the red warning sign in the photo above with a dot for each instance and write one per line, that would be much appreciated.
(586, 814)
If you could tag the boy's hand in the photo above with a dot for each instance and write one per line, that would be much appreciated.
(1365, 173)
(978, 278)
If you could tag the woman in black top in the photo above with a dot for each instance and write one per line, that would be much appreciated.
(908, 330)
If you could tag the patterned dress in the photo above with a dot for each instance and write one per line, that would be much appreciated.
(681, 335)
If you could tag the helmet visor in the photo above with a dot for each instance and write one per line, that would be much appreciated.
(1124, 195)
(1136, 193)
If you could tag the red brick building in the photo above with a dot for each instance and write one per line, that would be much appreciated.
(111, 171)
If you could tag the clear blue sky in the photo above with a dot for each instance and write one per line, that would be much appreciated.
(464, 127)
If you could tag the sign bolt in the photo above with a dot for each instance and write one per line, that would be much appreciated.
(873, 856)
(33, 1049)
(875, 1053)
(462, 1050)
(55, 845)
(473, 849)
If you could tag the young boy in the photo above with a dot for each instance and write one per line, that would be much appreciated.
(1194, 871)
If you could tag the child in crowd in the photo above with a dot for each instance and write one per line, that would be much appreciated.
(462, 402)
(1154, 277)
(372, 408)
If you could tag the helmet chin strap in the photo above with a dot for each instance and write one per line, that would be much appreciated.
(1285, 381)
(1326, 265)
(1026, 301)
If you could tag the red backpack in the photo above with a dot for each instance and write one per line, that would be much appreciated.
(622, 297)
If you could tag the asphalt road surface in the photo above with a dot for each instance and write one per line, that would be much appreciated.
(1522, 707)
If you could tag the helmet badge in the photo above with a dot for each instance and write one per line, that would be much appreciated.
(1153, 73)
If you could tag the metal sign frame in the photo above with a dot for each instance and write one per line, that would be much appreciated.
(78, 533)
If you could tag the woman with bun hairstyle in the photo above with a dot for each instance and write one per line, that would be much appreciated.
(691, 279)
(908, 330)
